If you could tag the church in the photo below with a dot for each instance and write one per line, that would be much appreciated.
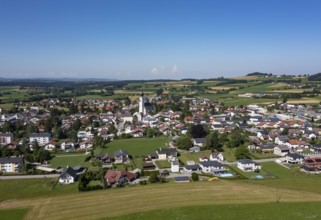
(145, 107)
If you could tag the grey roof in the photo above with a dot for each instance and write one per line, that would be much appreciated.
(199, 140)
(167, 151)
(9, 134)
(246, 161)
(211, 164)
(295, 156)
(70, 171)
(119, 153)
(192, 167)
(11, 160)
(35, 135)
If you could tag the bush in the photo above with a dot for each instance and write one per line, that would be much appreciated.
(153, 178)
(194, 176)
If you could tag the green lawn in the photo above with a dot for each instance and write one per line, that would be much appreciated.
(163, 164)
(68, 160)
(13, 214)
(265, 211)
(290, 178)
(136, 147)
(29, 188)
(256, 155)
(184, 157)
(229, 154)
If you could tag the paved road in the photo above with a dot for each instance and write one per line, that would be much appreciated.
(29, 177)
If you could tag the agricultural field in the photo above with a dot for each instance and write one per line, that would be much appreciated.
(13, 214)
(159, 197)
(31, 188)
(263, 211)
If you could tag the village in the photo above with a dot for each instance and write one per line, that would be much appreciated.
(201, 140)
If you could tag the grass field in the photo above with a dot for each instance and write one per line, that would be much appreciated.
(290, 178)
(162, 164)
(99, 204)
(184, 157)
(29, 188)
(137, 147)
(266, 211)
(13, 214)
(67, 160)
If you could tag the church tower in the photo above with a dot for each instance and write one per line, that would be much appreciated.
(141, 103)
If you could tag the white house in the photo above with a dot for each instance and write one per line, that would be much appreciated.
(68, 145)
(281, 150)
(216, 156)
(41, 138)
(294, 158)
(212, 167)
(68, 176)
(248, 165)
(175, 166)
(165, 153)
(121, 156)
(6, 138)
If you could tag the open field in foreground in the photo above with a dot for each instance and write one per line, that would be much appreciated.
(13, 214)
(308, 210)
(124, 201)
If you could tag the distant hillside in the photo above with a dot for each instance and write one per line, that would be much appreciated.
(259, 74)
(315, 77)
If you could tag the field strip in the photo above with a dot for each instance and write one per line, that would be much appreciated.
(115, 202)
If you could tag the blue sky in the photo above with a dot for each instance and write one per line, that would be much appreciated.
(152, 39)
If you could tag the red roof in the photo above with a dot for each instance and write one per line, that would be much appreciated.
(113, 176)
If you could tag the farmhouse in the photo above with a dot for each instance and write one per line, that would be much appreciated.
(248, 165)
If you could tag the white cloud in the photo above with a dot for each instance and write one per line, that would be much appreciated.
(157, 70)
(175, 69)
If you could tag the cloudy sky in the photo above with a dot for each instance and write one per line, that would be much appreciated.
(153, 39)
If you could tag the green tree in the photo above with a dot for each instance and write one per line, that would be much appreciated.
(236, 138)
(242, 153)
(184, 142)
(197, 131)
(212, 141)
(153, 178)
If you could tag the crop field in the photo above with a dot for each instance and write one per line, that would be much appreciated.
(13, 214)
(30, 188)
(222, 88)
(265, 211)
(95, 205)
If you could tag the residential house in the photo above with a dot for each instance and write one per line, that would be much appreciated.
(281, 140)
(6, 138)
(294, 158)
(88, 144)
(114, 177)
(41, 138)
(281, 150)
(11, 164)
(105, 159)
(200, 142)
(121, 156)
(165, 153)
(68, 176)
(175, 166)
(216, 156)
(212, 167)
(68, 145)
(248, 165)
(312, 164)
(51, 145)
(267, 148)
(192, 168)
(194, 149)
